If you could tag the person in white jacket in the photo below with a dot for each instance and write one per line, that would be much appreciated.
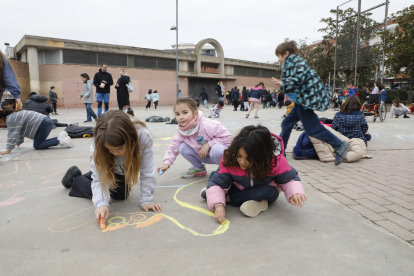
(115, 165)
(398, 109)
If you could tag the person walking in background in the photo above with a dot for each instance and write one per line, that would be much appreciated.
(87, 96)
(268, 99)
(245, 98)
(122, 93)
(280, 99)
(204, 96)
(53, 99)
(228, 97)
(235, 96)
(155, 98)
(179, 94)
(103, 81)
(264, 99)
(219, 91)
(255, 97)
(8, 81)
(148, 97)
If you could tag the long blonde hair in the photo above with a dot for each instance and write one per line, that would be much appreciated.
(115, 128)
(125, 72)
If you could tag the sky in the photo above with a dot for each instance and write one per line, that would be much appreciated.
(246, 29)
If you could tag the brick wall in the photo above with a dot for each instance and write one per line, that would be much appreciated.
(21, 70)
(68, 82)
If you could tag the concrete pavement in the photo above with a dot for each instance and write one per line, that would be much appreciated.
(357, 221)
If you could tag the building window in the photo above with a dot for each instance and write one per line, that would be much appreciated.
(49, 57)
(154, 63)
(254, 72)
(112, 59)
(79, 57)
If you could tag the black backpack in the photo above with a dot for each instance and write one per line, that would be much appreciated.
(79, 131)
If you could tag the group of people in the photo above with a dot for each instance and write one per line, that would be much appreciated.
(152, 97)
(245, 177)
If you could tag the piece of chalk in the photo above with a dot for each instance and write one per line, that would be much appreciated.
(161, 172)
(103, 226)
(223, 223)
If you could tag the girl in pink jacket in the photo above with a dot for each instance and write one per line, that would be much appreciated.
(252, 178)
(198, 139)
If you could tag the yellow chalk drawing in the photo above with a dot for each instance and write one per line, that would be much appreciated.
(117, 221)
(166, 138)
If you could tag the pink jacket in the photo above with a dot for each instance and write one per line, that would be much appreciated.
(209, 131)
(283, 178)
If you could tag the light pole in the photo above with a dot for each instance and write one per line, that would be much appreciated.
(336, 43)
(176, 45)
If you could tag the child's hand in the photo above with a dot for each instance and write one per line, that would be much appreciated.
(366, 133)
(297, 200)
(102, 213)
(220, 214)
(278, 83)
(164, 168)
(151, 206)
(204, 150)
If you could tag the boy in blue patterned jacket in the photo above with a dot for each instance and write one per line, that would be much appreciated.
(304, 87)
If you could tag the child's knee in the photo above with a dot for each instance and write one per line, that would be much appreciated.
(271, 193)
(183, 148)
(217, 151)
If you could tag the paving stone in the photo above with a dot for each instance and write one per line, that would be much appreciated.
(371, 205)
(349, 193)
(401, 211)
(376, 199)
(354, 188)
(323, 188)
(376, 191)
(400, 202)
(402, 196)
(405, 223)
(343, 199)
(396, 230)
(366, 212)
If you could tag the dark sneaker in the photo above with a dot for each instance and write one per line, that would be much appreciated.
(203, 193)
(405, 116)
(341, 152)
(69, 175)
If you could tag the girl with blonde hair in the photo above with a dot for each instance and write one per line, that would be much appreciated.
(122, 149)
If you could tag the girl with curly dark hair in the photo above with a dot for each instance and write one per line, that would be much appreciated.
(255, 165)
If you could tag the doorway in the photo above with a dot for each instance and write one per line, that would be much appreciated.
(195, 85)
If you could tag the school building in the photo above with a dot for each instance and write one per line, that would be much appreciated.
(40, 62)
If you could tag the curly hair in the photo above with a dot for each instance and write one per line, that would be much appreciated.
(259, 147)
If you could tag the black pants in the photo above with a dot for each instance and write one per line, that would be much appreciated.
(123, 99)
(57, 124)
(81, 187)
(235, 104)
(258, 193)
(148, 104)
(54, 107)
(156, 104)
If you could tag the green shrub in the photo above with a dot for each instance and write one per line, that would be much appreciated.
(393, 94)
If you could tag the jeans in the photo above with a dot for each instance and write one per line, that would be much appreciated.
(89, 112)
(258, 193)
(82, 187)
(54, 107)
(105, 98)
(220, 98)
(148, 104)
(39, 141)
(312, 125)
(228, 101)
(206, 103)
(155, 104)
(214, 157)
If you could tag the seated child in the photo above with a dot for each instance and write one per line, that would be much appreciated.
(128, 110)
(199, 140)
(399, 109)
(250, 178)
(215, 111)
(122, 156)
(198, 103)
(350, 121)
(289, 106)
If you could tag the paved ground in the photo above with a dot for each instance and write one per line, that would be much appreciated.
(45, 232)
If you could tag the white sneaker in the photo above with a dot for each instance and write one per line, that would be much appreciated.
(64, 140)
(252, 208)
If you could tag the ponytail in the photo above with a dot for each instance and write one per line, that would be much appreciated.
(6, 112)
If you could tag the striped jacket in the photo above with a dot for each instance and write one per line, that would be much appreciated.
(283, 178)
(22, 124)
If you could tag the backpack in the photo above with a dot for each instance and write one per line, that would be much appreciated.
(304, 148)
(157, 119)
(79, 131)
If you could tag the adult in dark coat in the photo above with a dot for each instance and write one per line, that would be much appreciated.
(280, 98)
(37, 103)
(122, 93)
(235, 97)
(219, 91)
(103, 81)
(204, 96)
